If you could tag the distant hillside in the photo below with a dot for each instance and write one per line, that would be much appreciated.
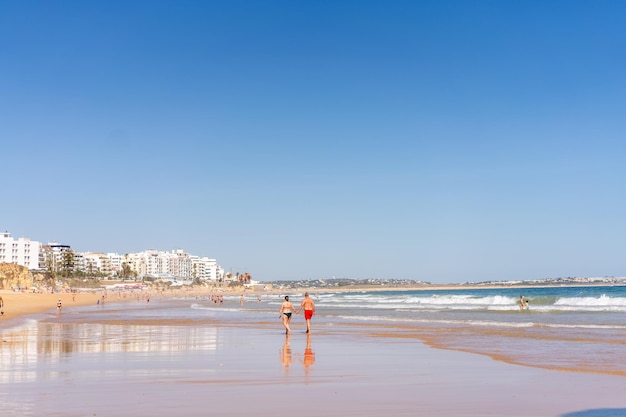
(346, 282)
(387, 282)
(556, 281)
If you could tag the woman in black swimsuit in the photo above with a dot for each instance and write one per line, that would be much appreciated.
(285, 311)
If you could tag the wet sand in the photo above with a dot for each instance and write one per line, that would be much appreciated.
(75, 367)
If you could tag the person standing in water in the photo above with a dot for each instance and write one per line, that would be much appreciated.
(285, 311)
(309, 309)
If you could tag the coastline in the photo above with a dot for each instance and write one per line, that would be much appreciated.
(147, 360)
(426, 287)
(18, 304)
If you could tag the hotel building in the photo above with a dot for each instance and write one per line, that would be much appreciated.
(22, 251)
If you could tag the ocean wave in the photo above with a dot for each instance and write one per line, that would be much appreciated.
(215, 308)
(545, 304)
(479, 323)
(603, 300)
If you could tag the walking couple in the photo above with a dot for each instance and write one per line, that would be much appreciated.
(287, 308)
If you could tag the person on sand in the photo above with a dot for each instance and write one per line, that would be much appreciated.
(309, 309)
(59, 305)
(285, 311)
(1, 306)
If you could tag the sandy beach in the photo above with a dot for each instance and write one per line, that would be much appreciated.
(135, 358)
(17, 304)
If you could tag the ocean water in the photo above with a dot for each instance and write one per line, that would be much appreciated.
(100, 359)
(568, 328)
(584, 308)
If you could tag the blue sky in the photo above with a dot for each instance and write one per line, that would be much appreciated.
(442, 141)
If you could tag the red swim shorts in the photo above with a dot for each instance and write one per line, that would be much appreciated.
(308, 314)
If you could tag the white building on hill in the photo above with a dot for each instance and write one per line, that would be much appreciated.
(116, 261)
(96, 262)
(22, 251)
(205, 269)
(53, 254)
(177, 263)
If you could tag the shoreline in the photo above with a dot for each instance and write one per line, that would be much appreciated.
(19, 304)
(337, 370)
(145, 352)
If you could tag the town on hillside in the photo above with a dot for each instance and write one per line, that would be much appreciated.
(54, 261)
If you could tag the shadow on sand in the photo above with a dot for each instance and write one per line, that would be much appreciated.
(599, 412)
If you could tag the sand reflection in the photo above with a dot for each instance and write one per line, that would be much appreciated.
(285, 353)
(309, 356)
(51, 342)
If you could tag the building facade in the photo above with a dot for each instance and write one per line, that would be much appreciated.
(205, 269)
(176, 263)
(22, 251)
(56, 257)
(96, 263)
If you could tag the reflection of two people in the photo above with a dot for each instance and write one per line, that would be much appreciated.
(286, 356)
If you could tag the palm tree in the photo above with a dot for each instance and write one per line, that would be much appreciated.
(67, 262)
(126, 271)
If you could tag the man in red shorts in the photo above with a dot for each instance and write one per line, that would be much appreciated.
(309, 309)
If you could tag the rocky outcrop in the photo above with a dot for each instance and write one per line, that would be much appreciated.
(12, 275)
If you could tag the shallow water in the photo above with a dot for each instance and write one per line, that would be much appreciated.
(190, 356)
(569, 328)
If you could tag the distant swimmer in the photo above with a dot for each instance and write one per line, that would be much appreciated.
(522, 302)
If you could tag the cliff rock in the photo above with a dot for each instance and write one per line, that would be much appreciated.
(12, 275)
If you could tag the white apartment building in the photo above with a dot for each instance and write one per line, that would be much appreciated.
(53, 257)
(34, 255)
(149, 262)
(177, 263)
(205, 269)
(96, 262)
(180, 264)
(23, 251)
(116, 261)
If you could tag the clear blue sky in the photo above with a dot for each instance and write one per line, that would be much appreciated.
(441, 141)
